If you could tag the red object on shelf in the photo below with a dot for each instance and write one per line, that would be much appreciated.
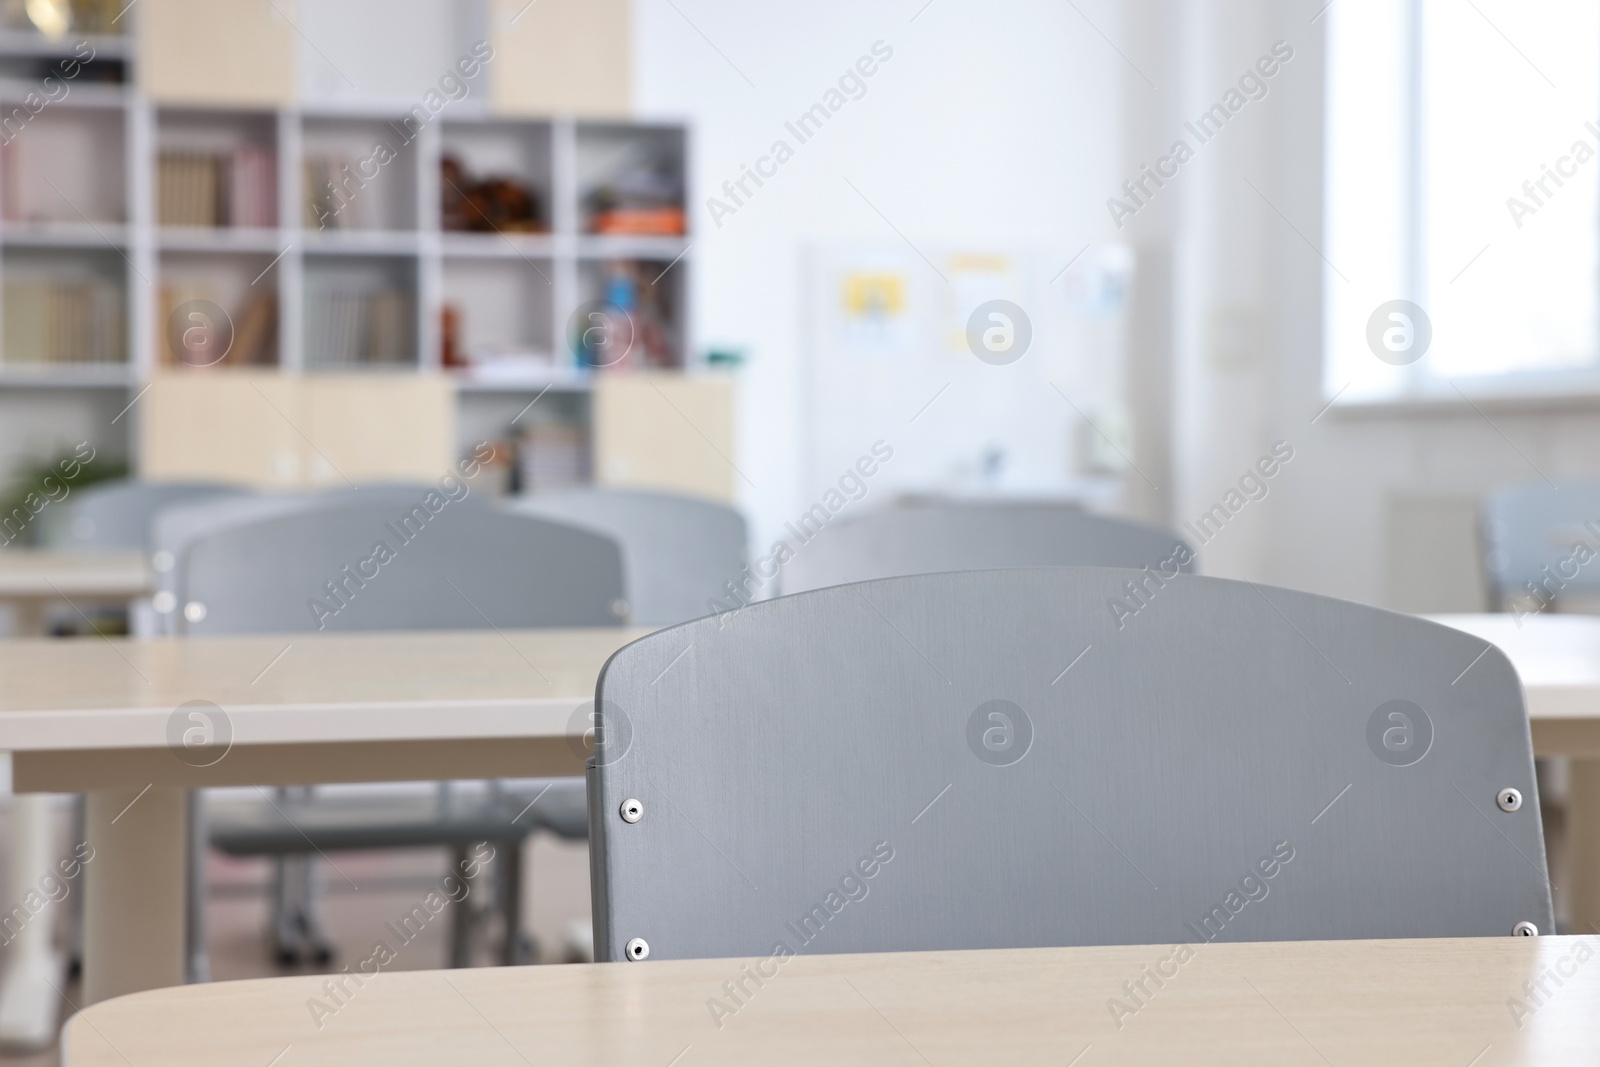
(450, 337)
(641, 221)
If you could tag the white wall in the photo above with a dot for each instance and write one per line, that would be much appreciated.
(993, 125)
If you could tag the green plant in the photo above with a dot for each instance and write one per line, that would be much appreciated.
(37, 483)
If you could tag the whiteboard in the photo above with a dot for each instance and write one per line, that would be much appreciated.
(889, 357)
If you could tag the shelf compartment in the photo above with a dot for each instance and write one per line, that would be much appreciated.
(497, 316)
(631, 179)
(652, 295)
(78, 59)
(496, 177)
(360, 311)
(66, 165)
(216, 169)
(217, 309)
(64, 308)
(358, 175)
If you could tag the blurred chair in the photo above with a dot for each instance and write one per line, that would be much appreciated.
(678, 551)
(175, 529)
(1541, 552)
(117, 514)
(300, 565)
(995, 759)
(934, 537)
(1531, 535)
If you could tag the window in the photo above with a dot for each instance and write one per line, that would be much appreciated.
(1462, 180)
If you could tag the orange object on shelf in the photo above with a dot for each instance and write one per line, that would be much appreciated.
(641, 221)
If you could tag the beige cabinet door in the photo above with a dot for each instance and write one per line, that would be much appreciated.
(274, 431)
(218, 52)
(236, 427)
(562, 57)
(377, 428)
(665, 431)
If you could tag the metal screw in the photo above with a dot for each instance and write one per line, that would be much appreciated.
(194, 611)
(638, 948)
(164, 602)
(1522, 929)
(1508, 799)
(632, 811)
(163, 561)
(619, 608)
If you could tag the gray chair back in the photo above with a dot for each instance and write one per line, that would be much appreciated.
(934, 537)
(393, 560)
(177, 527)
(1531, 534)
(117, 514)
(679, 553)
(998, 759)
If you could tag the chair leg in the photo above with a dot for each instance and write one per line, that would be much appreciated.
(462, 916)
(312, 934)
(194, 908)
(516, 947)
(80, 832)
(285, 935)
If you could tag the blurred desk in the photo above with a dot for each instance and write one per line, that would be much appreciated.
(1403, 1003)
(136, 723)
(32, 579)
(1558, 659)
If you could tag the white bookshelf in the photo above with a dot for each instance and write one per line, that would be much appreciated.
(80, 193)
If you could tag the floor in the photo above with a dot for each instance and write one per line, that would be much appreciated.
(369, 890)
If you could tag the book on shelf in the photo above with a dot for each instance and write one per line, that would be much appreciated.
(63, 322)
(254, 328)
(336, 197)
(552, 454)
(359, 328)
(208, 189)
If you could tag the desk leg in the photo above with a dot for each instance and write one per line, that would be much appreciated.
(35, 970)
(1583, 846)
(133, 924)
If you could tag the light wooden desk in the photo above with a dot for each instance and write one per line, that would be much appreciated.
(30, 581)
(98, 717)
(1341, 1002)
(1558, 659)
